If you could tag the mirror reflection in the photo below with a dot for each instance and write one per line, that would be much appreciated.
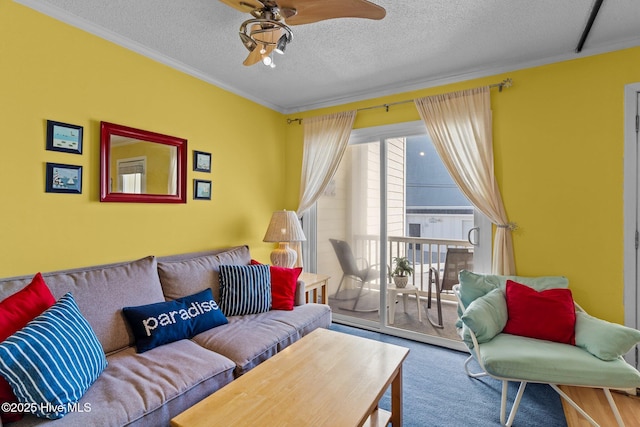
(141, 166)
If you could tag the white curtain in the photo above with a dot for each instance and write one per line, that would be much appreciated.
(325, 141)
(459, 124)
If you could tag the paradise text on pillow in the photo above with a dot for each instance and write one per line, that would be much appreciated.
(171, 317)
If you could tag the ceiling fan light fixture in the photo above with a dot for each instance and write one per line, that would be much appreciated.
(248, 42)
(260, 34)
(281, 46)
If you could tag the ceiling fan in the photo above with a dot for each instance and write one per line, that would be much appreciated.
(267, 32)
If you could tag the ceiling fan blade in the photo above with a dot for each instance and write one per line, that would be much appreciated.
(244, 5)
(309, 11)
(253, 58)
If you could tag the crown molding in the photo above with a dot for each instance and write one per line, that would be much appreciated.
(418, 84)
(457, 78)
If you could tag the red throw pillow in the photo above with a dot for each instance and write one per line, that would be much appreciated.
(547, 315)
(283, 286)
(15, 312)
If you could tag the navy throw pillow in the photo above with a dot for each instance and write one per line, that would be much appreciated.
(164, 322)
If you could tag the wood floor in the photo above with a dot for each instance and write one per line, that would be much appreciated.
(595, 403)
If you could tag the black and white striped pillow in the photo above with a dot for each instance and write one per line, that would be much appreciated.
(245, 289)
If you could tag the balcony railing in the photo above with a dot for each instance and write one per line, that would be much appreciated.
(423, 253)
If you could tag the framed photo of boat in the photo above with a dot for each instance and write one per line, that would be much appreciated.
(201, 161)
(64, 137)
(201, 189)
(63, 178)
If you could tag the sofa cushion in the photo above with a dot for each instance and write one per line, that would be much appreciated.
(248, 340)
(101, 292)
(605, 340)
(546, 315)
(304, 318)
(149, 389)
(164, 322)
(15, 312)
(513, 356)
(53, 360)
(245, 289)
(186, 274)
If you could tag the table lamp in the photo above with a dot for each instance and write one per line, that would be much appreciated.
(284, 228)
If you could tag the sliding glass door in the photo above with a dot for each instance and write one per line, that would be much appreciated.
(392, 197)
(349, 227)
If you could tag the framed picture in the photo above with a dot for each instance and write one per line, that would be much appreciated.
(201, 161)
(63, 178)
(201, 189)
(64, 137)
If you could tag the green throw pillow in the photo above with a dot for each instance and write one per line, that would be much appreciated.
(486, 316)
(474, 285)
(605, 340)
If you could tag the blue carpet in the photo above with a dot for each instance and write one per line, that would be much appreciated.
(437, 391)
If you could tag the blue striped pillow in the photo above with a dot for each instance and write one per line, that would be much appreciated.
(52, 361)
(245, 289)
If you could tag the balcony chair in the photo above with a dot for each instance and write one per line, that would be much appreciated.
(595, 361)
(456, 260)
(350, 269)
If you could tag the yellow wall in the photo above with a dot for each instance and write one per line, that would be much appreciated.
(50, 70)
(558, 143)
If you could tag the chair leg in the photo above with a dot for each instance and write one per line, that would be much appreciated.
(358, 299)
(340, 284)
(516, 403)
(358, 296)
(471, 374)
(434, 279)
(582, 412)
(338, 290)
(614, 408)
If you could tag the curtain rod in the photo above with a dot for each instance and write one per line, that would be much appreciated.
(506, 83)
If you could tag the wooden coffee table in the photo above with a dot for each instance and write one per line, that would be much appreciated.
(325, 379)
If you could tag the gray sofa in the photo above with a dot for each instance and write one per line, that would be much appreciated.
(150, 388)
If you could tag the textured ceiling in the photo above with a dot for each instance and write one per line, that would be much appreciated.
(418, 44)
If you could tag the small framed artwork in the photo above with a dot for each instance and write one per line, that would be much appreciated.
(63, 178)
(201, 189)
(201, 161)
(64, 137)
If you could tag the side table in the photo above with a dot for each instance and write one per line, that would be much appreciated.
(313, 282)
(393, 292)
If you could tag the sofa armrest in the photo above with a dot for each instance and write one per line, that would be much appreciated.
(300, 298)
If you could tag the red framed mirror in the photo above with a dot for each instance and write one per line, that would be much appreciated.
(139, 166)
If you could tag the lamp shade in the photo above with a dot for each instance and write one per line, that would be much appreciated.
(284, 227)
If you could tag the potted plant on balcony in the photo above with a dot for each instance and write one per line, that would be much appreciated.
(401, 272)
